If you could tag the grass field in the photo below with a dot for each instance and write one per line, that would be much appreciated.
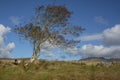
(59, 70)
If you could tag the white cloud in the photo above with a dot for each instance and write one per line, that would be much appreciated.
(3, 31)
(90, 50)
(5, 50)
(101, 20)
(15, 20)
(72, 50)
(100, 51)
(111, 36)
(90, 37)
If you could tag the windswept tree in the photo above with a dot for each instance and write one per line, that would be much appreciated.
(50, 24)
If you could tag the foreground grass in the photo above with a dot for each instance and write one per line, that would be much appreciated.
(45, 70)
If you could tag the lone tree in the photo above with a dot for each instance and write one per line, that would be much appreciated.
(50, 24)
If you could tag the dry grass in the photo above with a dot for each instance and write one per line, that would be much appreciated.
(46, 70)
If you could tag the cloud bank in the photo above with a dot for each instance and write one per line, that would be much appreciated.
(109, 49)
(111, 36)
(5, 50)
(100, 51)
(90, 37)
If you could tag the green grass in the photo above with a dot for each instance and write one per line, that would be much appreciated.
(46, 70)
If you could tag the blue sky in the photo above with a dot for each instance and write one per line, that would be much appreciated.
(101, 18)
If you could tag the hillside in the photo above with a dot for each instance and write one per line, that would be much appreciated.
(58, 70)
(97, 60)
(89, 60)
(101, 59)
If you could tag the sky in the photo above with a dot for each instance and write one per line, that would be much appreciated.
(100, 18)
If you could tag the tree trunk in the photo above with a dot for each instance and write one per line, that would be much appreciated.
(34, 57)
(35, 54)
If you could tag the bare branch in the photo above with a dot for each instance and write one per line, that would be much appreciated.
(51, 24)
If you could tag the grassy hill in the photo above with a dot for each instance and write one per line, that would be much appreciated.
(59, 70)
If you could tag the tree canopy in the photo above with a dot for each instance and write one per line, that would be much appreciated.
(49, 24)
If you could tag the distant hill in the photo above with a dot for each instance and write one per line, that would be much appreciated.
(89, 60)
(95, 60)
(100, 59)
